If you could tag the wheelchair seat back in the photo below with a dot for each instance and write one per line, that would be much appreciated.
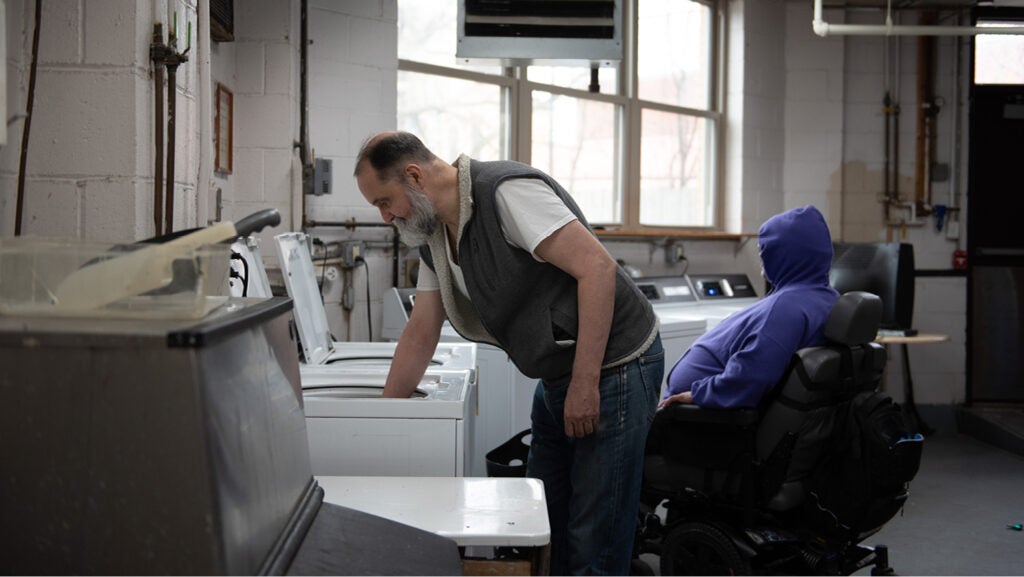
(801, 415)
(715, 451)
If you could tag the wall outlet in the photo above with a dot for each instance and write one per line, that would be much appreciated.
(674, 253)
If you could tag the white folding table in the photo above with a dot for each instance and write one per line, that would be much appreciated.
(472, 511)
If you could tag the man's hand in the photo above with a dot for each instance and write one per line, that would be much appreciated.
(582, 408)
(685, 398)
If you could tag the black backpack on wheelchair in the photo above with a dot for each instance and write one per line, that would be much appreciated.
(793, 486)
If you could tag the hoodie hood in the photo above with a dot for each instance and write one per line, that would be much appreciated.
(796, 248)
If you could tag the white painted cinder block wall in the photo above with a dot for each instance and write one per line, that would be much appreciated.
(805, 128)
(89, 168)
(834, 159)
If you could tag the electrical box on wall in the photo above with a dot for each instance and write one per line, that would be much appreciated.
(322, 176)
(518, 32)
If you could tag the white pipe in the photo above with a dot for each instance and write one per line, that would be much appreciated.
(205, 114)
(822, 28)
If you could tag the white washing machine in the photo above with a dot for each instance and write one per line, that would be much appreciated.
(352, 431)
(712, 297)
(504, 395)
(668, 293)
(248, 275)
(720, 295)
(320, 352)
(679, 330)
(343, 382)
(675, 303)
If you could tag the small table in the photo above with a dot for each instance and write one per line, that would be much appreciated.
(472, 511)
(908, 382)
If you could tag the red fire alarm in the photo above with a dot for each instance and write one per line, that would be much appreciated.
(960, 259)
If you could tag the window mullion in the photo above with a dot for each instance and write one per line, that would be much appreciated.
(522, 120)
(630, 153)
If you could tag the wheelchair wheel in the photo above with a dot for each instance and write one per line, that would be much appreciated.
(701, 549)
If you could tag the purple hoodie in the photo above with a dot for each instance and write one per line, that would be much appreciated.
(743, 357)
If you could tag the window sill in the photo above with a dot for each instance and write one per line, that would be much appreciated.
(648, 235)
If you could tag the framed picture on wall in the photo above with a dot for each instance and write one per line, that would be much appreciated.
(224, 130)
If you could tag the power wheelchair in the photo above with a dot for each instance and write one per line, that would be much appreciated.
(733, 491)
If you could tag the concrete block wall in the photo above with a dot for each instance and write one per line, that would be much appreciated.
(89, 163)
(837, 153)
(761, 102)
(264, 79)
(814, 120)
(353, 68)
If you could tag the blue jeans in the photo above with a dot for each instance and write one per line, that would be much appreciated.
(592, 484)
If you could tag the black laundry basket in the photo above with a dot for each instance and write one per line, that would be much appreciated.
(509, 458)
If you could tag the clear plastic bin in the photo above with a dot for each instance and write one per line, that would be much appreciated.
(33, 271)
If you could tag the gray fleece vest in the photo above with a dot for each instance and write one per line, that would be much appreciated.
(529, 308)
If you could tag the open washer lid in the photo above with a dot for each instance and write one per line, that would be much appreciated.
(300, 280)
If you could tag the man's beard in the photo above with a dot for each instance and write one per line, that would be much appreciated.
(422, 221)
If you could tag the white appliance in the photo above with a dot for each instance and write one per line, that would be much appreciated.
(365, 355)
(681, 319)
(352, 431)
(712, 297)
(248, 275)
(504, 397)
(720, 295)
(320, 351)
(679, 330)
(342, 383)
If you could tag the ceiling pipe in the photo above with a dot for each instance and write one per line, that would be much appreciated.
(822, 28)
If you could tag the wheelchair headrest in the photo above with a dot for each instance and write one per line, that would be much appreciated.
(854, 318)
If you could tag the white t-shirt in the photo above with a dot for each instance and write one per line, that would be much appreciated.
(530, 211)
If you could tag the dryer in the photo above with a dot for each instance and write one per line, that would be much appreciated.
(352, 431)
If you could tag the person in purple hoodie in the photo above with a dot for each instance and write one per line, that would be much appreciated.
(742, 358)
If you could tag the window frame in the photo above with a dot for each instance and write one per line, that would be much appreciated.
(517, 96)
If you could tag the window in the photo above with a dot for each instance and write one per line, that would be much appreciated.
(635, 143)
(998, 58)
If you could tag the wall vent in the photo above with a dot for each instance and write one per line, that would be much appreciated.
(222, 20)
(526, 31)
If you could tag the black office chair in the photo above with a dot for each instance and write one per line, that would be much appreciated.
(738, 491)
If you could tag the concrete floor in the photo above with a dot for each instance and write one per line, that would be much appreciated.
(955, 521)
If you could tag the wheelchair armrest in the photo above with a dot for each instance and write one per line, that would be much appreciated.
(699, 415)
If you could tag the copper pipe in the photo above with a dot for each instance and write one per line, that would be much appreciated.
(925, 106)
(158, 132)
(26, 128)
(172, 90)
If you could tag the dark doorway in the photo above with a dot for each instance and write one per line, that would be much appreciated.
(995, 225)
